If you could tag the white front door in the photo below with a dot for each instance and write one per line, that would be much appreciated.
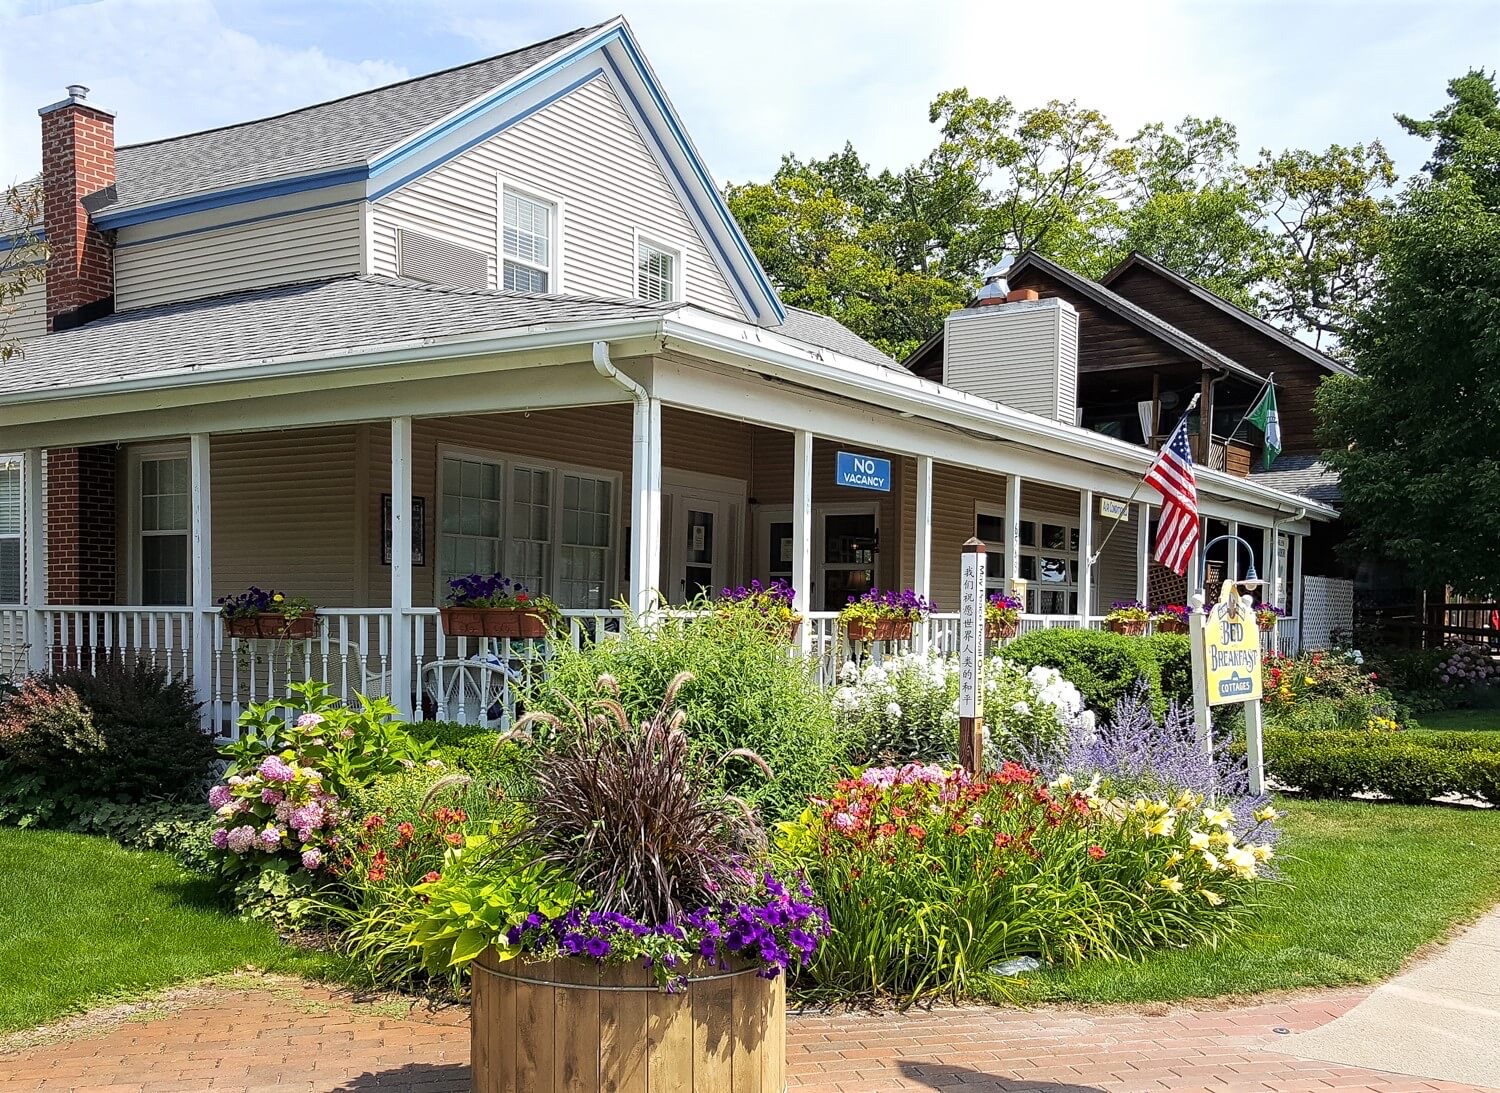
(700, 542)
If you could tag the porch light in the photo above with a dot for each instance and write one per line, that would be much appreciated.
(1250, 580)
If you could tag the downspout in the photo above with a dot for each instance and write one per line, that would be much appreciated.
(645, 481)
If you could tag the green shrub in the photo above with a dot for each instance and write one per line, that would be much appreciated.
(746, 692)
(126, 734)
(1407, 767)
(1104, 666)
(460, 746)
(1174, 653)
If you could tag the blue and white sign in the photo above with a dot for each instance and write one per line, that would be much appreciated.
(864, 472)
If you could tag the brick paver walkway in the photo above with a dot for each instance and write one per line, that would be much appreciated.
(290, 1036)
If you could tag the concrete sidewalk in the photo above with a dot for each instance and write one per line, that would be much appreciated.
(1439, 1020)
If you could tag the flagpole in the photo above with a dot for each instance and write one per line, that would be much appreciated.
(1094, 558)
(1253, 404)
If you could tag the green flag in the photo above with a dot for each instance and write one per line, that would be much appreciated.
(1265, 417)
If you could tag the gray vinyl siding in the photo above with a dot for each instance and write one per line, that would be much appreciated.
(29, 319)
(584, 152)
(1024, 355)
(281, 250)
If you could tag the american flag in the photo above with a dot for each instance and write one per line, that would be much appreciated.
(1171, 475)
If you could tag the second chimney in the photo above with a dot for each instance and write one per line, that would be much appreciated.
(1021, 352)
(78, 159)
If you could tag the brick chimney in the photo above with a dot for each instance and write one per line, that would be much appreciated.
(78, 159)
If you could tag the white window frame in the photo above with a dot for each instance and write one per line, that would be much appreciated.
(821, 566)
(677, 252)
(135, 555)
(1070, 525)
(17, 461)
(554, 269)
(507, 461)
(996, 573)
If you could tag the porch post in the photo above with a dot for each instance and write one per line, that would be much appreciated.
(645, 505)
(401, 618)
(802, 520)
(1301, 586)
(1232, 553)
(1085, 549)
(34, 521)
(202, 622)
(922, 569)
(1142, 551)
(1012, 533)
(1271, 574)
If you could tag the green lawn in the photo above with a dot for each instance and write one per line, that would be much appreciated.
(1366, 885)
(1461, 720)
(83, 921)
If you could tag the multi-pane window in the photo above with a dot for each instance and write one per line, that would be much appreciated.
(10, 529)
(551, 530)
(526, 243)
(471, 525)
(529, 539)
(587, 521)
(164, 514)
(1049, 565)
(656, 273)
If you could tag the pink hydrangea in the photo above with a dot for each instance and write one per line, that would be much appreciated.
(270, 838)
(273, 768)
(219, 796)
(308, 816)
(219, 839)
(312, 858)
(284, 811)
(241, 839)
(271, 796)
(309, 721)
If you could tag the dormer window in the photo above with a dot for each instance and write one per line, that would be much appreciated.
(528, 245)
(658, 271)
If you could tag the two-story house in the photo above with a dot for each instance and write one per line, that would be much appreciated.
(498, 318)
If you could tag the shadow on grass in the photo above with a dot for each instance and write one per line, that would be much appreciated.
(198, 892)
(426, 1077)
(973, 1080)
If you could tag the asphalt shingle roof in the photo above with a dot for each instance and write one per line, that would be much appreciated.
(1305, 475)
(313, 317)
(819, 329)
(327, 317)
(342, 133)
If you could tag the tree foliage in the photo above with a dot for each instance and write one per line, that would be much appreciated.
(889, 253)
(23, 261)
(1414, 435)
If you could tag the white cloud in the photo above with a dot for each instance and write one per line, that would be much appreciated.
(164, 66)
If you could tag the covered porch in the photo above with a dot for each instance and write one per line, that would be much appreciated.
(620, 475)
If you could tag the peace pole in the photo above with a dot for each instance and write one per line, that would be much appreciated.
(971, 657)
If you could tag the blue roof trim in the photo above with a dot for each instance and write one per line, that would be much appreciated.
(9, 242)
(491, 131)
(383, 163)
(220, 199)
(704, 179)
(240, 223)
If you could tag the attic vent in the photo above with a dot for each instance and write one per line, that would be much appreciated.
(423, 258)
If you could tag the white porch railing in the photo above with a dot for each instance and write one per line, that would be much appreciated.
(82, 638)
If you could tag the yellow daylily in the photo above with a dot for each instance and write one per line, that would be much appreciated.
(1162, 825)
(1218, 817)
(1263, 852)
(1265, 814)
(1174, 858)
(1241, 860)
(1198, 840)
(1212, 861)
(1213, 898)
(1170, 884)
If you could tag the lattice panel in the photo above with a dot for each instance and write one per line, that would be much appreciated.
(1327, 611)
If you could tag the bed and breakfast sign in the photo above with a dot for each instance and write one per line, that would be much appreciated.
(1231, 650)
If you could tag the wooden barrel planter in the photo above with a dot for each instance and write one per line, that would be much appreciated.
(493, 622)
(577, 1026)
(274, 626)
(880, 630)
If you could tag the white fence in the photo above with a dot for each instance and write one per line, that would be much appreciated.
(452, 678)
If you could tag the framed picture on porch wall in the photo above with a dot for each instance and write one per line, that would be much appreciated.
(418, 530)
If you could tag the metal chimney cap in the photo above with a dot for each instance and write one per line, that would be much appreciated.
(77, 91)
(1000, 268)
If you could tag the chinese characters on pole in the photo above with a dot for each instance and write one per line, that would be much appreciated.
(971, 657)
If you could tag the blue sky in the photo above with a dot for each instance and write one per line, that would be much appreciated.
(755, 79)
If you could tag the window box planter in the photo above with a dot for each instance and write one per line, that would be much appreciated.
(494, 622)
(1133, 627)
(1169, 624)
(880, 630)
(1001, 630)
(575, 1024)
(273, 625)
